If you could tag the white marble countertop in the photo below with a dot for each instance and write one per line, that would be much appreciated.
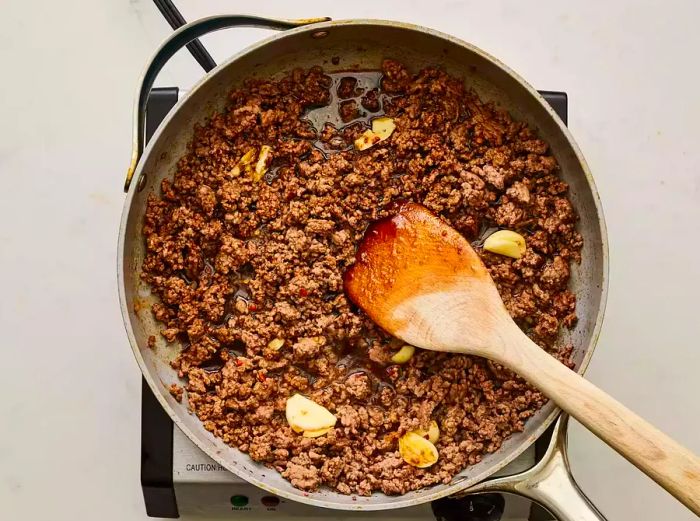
(69, 428)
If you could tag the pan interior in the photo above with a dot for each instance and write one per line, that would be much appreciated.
(355, 45)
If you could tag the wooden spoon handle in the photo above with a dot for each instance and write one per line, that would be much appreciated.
(671, 465)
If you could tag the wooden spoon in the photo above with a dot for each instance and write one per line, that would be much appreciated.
(421, 281)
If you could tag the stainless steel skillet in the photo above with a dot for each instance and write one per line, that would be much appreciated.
(359, 44)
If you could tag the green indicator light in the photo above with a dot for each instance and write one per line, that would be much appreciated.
(239, 501)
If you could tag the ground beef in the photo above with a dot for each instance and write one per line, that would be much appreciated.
(347, 87)
(349, 110)
(176, 391)
(239, 262)
(370, 101)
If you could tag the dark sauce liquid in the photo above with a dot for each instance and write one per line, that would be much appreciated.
(318, 117)
(486, 230)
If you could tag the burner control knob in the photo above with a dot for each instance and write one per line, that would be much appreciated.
(478, 507)
(270, 501)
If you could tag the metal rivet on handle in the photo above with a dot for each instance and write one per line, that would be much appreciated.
(319, 34)
(142, 182)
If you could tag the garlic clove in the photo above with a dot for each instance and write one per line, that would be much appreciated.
(506, 242)
(417, 451)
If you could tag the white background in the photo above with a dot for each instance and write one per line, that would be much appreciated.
(69, 413)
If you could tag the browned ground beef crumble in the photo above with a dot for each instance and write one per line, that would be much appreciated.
(237, 263)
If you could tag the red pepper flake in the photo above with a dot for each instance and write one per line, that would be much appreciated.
(239, 362)
(252, 306)
(304, 292)
(261, 377)
(393, 371)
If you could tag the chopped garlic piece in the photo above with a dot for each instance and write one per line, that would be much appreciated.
(244, 163)
(276, 344)
(404, 354)
(367, 140)
(506, 242)
(383, 127)
(247, 158)
(264, 160)
(417, 451)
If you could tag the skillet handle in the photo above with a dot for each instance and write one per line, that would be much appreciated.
(174, 43)
(549, 483)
